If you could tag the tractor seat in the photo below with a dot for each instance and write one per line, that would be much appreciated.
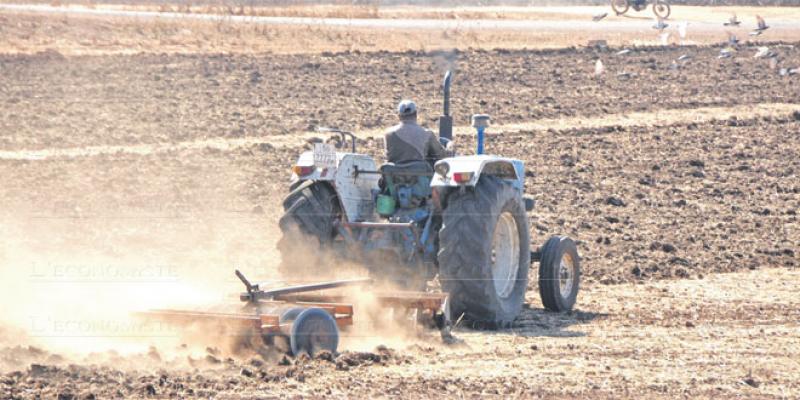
(409, 169)
(406, 181)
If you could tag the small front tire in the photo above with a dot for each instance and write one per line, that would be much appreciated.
(559, 274)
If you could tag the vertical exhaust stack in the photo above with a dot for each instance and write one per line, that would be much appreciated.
(446, 120)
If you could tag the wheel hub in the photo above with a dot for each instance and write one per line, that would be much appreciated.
(505, 255)
(566, 275)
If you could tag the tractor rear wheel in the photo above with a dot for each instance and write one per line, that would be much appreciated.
(484, 253)
(308, 227)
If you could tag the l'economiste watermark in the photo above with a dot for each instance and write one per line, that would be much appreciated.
(108, 273)
(49, 326)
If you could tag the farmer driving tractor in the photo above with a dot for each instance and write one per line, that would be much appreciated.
(407, 141)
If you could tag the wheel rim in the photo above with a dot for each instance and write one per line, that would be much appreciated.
(566, 275)
(505, 255)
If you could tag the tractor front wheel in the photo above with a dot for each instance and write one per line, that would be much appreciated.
(484, 253)
(559, 274)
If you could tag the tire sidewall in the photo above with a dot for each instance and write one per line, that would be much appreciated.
(512, 304)
(465, 257)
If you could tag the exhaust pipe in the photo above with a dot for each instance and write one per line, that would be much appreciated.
(446, 120)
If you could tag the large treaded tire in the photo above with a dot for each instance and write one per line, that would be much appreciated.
(465, 253)
(307, 225)
(554, 251)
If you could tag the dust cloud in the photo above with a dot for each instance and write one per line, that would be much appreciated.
(73, 285)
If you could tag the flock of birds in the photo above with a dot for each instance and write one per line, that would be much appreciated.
(728, 51)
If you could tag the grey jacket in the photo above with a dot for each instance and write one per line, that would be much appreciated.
(408, 141)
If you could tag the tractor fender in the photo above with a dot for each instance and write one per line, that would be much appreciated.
(508, 169)
(306, 159)
(353, 191)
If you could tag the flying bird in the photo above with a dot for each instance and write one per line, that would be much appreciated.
(765, 52)
(682, 30)
(664, 38)
(762, 26)
(733, 21)
(598, 17)
(623, 52)
(660, 24)
(789, 71)
(726, 52)
(684, 57)
(732, 39)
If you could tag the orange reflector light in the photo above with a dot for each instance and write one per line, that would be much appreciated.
(303, 170)
(462, 177)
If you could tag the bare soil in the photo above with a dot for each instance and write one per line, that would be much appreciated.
(168, 98)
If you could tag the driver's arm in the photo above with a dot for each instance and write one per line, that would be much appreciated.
(434, 149)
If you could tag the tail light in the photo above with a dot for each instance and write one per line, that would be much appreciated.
(462, 177)
(303, 170)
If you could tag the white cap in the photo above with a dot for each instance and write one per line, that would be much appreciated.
(406, 108)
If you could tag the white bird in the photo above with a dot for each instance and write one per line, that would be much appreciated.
(623, 52)
(789, 71)
(599, 69)
(682, 30)
(684, 57)
(660, 24)
(664, 38)
(598, 17)
(733, 21)
(726, 53)
(764, 52)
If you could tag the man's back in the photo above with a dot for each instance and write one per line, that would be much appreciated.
(408, 141)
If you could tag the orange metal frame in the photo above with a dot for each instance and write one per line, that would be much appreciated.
(336, 305)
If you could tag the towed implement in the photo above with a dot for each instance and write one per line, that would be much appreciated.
(305, 318)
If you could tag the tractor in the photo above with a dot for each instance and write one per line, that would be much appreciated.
(462, 219)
